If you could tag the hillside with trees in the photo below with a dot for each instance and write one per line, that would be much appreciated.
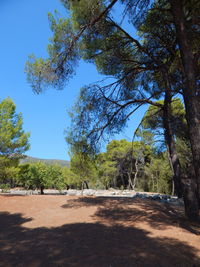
(28, 159)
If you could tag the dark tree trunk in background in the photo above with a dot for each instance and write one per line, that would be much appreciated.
(42, 190)
(82, 186)
(86, 184)
(191, 93)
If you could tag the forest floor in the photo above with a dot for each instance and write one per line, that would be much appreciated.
(95, 231)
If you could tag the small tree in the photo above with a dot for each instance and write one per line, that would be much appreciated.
(40, 175)
(13, 140)
(35, 175)
(84, 168)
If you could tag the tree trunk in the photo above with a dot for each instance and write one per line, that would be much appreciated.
(183, 187)
(82, 188)
(130, 184)
(86, 184)
(173, 190)
(136, 173)
(153, 185)
(191, 93)
(123, 182)
(190, 199)
(169, 139)
(42, 190)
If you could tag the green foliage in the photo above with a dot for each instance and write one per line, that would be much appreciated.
(40, 175)
(7, 166)
(83, 167)
(152, 129)
(107, 171)
(35, 175)
(5, 187)
(158, 175)
(154, 115)
(123, 163)
(55, 177)
(71, 180)
(185, 154)
(13, 140)
(59, 67)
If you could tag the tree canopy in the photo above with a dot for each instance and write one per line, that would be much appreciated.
(13, 139)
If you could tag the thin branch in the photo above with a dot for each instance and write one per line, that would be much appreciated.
(83, 28)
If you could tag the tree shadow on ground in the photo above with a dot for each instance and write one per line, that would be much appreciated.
(157, 214)
(88, 244)
(87, 201)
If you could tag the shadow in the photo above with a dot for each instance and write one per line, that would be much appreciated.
(88, 244)
(13, 221)
(87, 202)
(157, 214)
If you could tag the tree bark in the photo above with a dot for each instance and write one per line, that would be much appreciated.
(190, 198)
(191, 92)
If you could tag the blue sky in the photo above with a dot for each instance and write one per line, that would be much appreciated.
(24, 29)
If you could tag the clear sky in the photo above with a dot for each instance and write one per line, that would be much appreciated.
(24, 29)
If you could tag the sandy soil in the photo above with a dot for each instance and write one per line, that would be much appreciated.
(95, 231)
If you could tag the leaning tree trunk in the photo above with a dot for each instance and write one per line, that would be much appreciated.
(184, 186)
(190, 91)
(136, 173)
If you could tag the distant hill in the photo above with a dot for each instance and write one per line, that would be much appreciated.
(63, 163)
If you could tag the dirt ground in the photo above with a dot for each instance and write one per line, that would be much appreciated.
(95, 231)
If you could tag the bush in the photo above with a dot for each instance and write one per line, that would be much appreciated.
(5, 187)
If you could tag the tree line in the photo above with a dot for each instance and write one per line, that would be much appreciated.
(123, 165)
(138, 165)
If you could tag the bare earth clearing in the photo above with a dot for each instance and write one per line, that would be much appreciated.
(95, 231)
